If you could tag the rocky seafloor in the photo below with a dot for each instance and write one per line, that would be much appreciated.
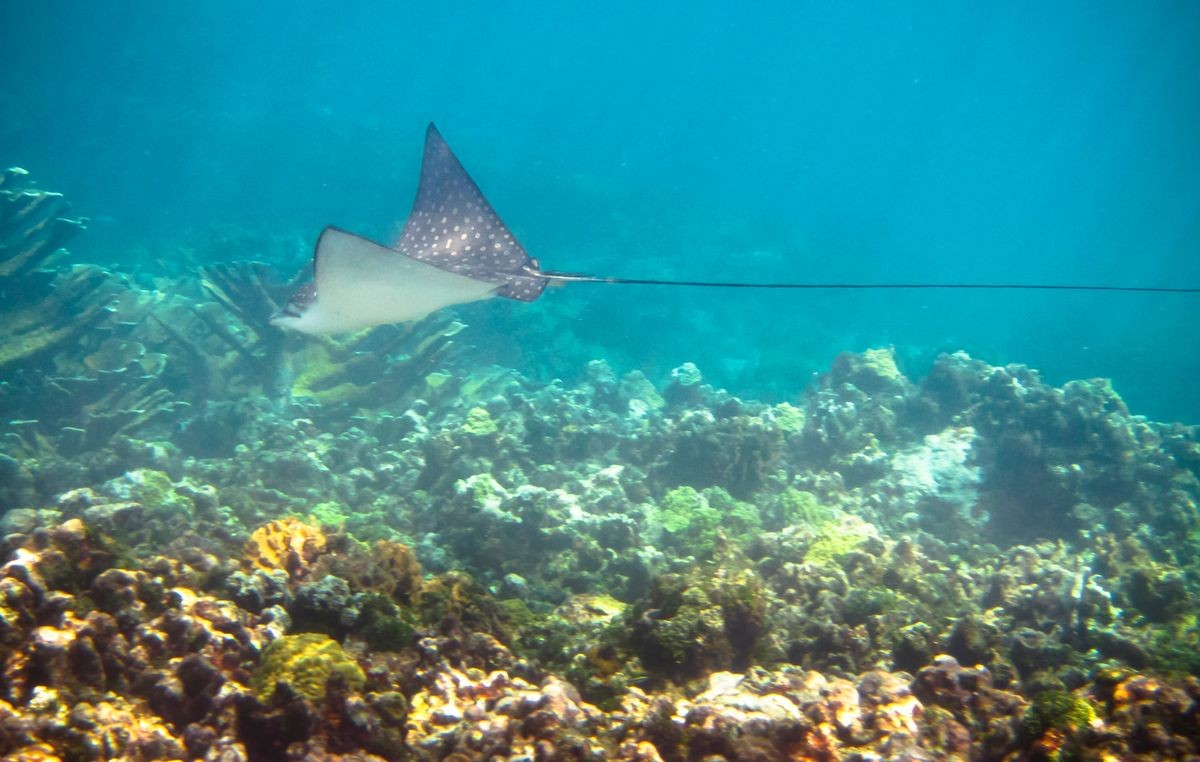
(222, 542)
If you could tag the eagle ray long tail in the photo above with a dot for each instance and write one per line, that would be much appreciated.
(578, 278)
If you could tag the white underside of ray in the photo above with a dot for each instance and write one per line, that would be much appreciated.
(361, 283)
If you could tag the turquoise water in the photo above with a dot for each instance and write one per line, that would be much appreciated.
(810, 142)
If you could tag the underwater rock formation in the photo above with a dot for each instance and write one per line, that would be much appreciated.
(105, 657)
(868, 556)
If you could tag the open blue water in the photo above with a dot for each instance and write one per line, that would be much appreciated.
(925, 141)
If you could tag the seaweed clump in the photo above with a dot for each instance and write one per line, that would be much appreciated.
(1057, 710)
(1054, 723)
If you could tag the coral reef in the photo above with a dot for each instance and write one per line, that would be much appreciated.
(222, 542)
(141, 662)
(287, 545)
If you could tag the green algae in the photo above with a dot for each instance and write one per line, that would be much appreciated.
(1057, 710)
(691, 625)
(1176, 648)
(384, 625)
(520, 616)
(740, 519)
(684, 634)
(681, 507)
(366, 524)
(793, 507)
(697, 520)
(544, 638)
(329, 514)
(455, 601)
(155, 491)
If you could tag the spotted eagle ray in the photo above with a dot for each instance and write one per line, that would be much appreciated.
(455, 249)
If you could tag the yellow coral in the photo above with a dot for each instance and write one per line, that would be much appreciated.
(836, 538)
(479, 423)
(882, 362)
(591, 609)
(324, 376)
(288, 544)
(305, 662)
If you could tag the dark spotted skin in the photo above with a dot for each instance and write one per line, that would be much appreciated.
(452, 226)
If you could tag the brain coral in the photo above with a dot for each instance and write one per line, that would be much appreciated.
(305, 662)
